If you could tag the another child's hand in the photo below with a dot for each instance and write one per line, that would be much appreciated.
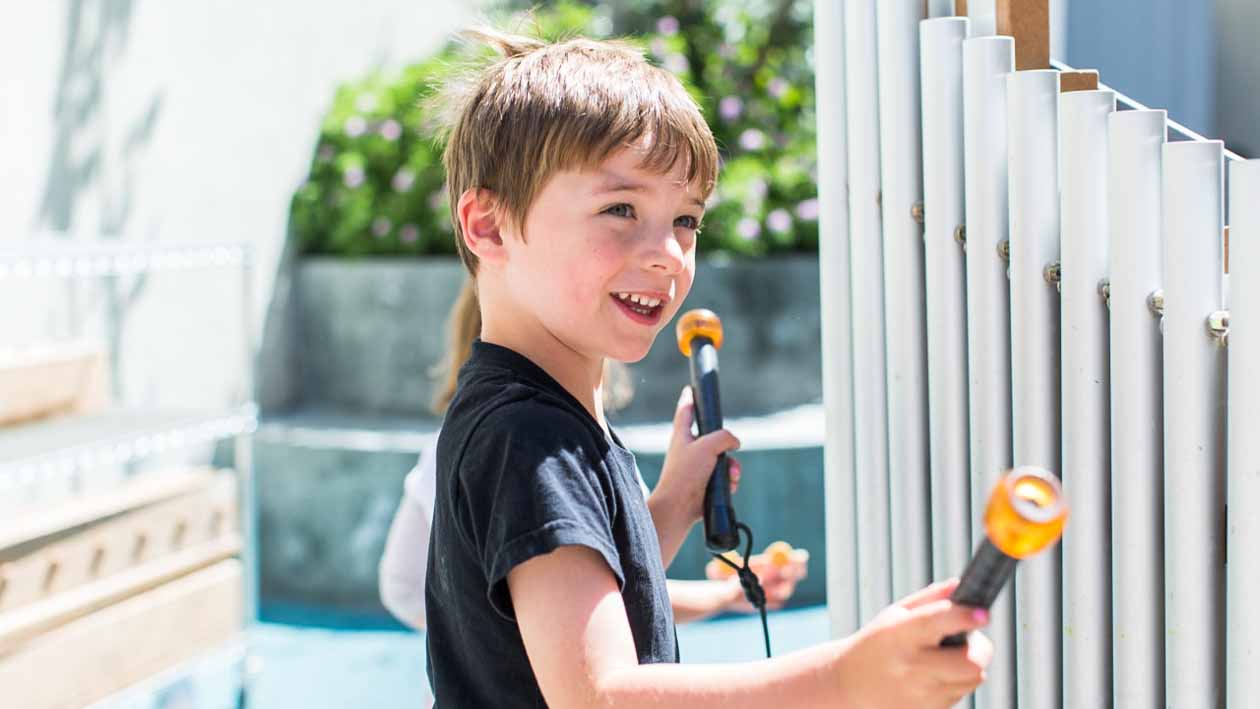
(689, 462)
(896, 659)
(779, 568)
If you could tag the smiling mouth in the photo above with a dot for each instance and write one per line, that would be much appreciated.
(647, 308)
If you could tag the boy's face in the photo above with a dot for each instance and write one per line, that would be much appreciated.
(608, 256)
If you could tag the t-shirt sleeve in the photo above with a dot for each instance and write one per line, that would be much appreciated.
(533, 480)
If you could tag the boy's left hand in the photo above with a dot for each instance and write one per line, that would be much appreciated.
(690, 460)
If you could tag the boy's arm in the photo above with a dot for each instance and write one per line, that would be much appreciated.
(582, 651)
(697, 600)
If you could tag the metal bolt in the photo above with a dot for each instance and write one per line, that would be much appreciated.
(1218, 327)
(1052, 273)
(1004, 250)
(1155, 302)
(1104, 290)
(916, 212)
(960, 235)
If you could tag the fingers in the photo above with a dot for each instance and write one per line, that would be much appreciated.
(935, 620)
(717, 442)
(684, 414)
(735, 472)
(936, 592)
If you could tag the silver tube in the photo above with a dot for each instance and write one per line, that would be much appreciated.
(1086, 407)
(833, 282)
(941, 61)
(1137, 415)
(243, 449)
(983, 15)
(986, 63)
(1194, 369)
(905, 337)
(1242, 681)
(1032, 102)
(870, 412)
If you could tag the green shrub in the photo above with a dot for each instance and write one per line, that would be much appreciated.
(376, 183)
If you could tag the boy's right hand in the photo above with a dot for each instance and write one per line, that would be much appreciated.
(896, 659)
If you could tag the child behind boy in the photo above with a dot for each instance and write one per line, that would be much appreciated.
(578, 176)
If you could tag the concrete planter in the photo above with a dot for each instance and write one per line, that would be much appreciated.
(371, 332)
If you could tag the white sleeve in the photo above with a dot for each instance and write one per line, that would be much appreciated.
(406, 556)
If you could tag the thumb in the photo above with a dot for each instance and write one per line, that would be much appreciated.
(684, 415)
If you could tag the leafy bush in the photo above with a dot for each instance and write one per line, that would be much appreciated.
(376, 180)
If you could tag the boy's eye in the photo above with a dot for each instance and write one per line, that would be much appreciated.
(620, 210)
(687, 222)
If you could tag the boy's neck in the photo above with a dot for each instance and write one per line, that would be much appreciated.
(578, 374)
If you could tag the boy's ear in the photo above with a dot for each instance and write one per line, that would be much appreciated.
(479, 219)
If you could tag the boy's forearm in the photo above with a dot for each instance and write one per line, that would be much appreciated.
(672, 526)
(805, 678)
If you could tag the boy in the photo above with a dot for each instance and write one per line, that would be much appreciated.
(578, 176)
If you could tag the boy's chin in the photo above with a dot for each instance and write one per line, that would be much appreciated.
(629, 353)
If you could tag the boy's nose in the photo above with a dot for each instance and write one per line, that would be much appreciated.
(665, 254)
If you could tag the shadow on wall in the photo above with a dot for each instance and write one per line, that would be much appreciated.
(84, 163)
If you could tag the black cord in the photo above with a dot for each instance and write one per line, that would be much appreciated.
(753, 591)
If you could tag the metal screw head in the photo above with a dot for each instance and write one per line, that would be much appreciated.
(916, 212)
(1004, 250)
(1052, 273)
(960, 235)
(1104, 290)
(1218, 326)
(1155, 302)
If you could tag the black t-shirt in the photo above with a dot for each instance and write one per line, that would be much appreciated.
(523, 469)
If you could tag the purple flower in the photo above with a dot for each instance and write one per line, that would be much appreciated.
(325, 153)
(403, 180)
(752, 139)
(777, 87)
(667, 25)
(658, 48)
(730, 107)
(437, 199)
(779, 221)
(355, 126)
(381, 227)
(677, 63)
(758, 188)
(807, 210)
(409, 233)
(748, 228)
(353, 177)
(390, 130)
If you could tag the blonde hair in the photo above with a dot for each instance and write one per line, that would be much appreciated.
(463, 326)
(542, 108)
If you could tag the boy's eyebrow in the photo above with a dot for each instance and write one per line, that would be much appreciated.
(614, 182)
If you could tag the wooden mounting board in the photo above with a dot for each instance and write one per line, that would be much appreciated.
(35, 571)
(125, 643)
(1078, 80)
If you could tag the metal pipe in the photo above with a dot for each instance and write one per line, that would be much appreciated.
(833, 282)
(870, 412)
(1086, 407)
(902, 179)
(986, 63)
(1032, 137)
(1194, 368)
(1136, 140)
(1242, 682)
(941, 63)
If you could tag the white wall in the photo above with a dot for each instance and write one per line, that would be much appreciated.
(183, 121)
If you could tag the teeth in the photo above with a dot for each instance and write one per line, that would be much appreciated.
(637, 299)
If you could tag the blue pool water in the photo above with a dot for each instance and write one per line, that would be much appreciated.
(322, 667)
